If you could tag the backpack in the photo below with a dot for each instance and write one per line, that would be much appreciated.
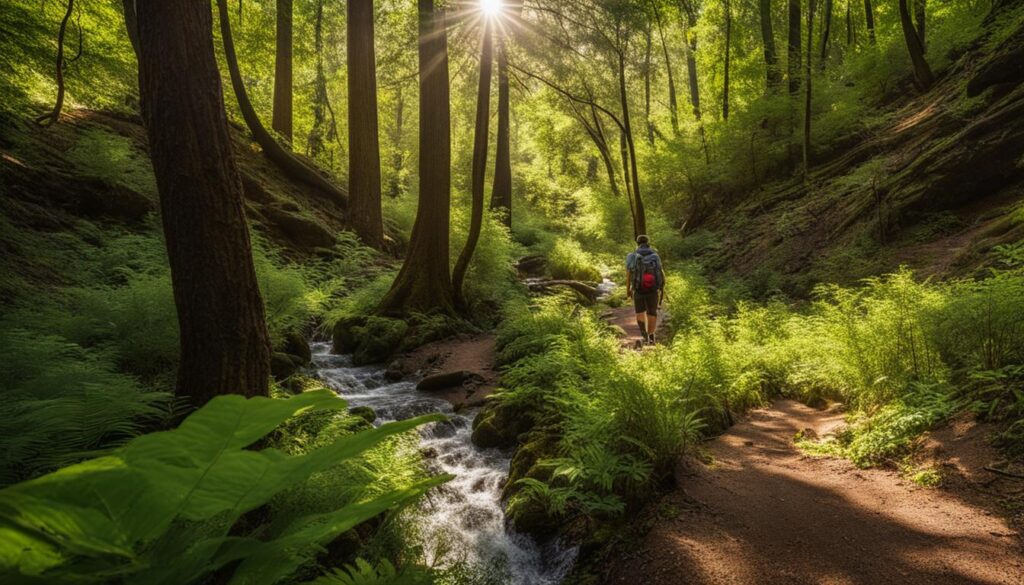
(646, 272)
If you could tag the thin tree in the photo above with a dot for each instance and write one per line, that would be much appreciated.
(923, 78)
(673, 105)
(501, 190)
(794, 55)
(773, 76)
(869, 20)
(363, 143)
(225, 348)
(53, 115)
(633, 178)
(826, 31)
(849, 23)
(481, 137)
(807, 87)
(321, 131)
(424, 282)
(920, 8)
(282, 117)
(131, 25)
(286, 161)
(728, 42)
(648, 44)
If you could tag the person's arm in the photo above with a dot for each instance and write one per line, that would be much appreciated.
(629, 284)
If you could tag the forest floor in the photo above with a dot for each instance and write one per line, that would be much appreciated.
(463, 353)
(764, 512)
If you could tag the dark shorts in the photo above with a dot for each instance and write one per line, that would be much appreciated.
(646, 303)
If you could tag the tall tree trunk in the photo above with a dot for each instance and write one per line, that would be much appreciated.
(773, 76)
(501, 190)
(363, 143)
(869, 20)
(315, 140)
(849, 23)
(649, 123)
(826, 31)
(53, 115)
(131, 25)
(480, 138)
(807, 86)
(282, 122)
(424, 283)
(225, 348)
(640, 219)
(923, 78)
(691, 66)
(673, 103)
(624, 154)
(286, 161)
(728, 42)
(920, 9)
(398, 160)
(794, 55)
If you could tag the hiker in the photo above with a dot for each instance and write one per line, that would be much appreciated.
(645, 284)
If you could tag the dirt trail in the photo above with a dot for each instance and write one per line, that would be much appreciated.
(470, 353)
(764, 513)
(625, 317)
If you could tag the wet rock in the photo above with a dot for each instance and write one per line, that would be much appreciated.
(500, 425)
(344, 338)
(530, 516)
(446, 380)
(364, 412)
(395, 371)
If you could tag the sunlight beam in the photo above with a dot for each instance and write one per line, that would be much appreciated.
(490, 8)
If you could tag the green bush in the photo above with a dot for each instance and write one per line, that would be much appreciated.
(567, 260)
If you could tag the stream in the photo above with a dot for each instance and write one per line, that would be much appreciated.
(466, 512)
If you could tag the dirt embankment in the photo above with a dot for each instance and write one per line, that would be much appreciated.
(763, 512)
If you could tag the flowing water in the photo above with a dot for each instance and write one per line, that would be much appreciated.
(467, 512)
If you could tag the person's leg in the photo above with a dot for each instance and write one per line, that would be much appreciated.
(652, 323)
(641, 314)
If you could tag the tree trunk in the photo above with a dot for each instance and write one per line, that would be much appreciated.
(691, 66)
(225, 348)
(923, 78)
(501, 191)
(282, 121)
(481, 137)
(807, 88)
(849, 23)
(647, 85)
(869, 20)
(920, 9)
(640, 219)
(53, 115)
(826, 31)
(673, 104)
(315, 140)
(794, 55)
(131, 25)
(363, 143)
(728, 42)
(398, 160)
(424, 283)
(773, 76)
(286, 161)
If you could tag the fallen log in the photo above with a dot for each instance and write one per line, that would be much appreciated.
(583, 288)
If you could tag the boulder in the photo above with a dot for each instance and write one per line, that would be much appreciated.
(445, 380)
(395, 371)
(295, 344)
(344, 338)
(364, 412)
(378, 340)
(486, 435)
(307, 234)
(283, 365)
(530, 516)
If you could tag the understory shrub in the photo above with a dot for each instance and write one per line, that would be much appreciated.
(567, 260)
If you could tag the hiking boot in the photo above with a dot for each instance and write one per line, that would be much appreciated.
(650, 339)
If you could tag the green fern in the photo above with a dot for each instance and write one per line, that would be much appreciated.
(158, 510)
(363, 573)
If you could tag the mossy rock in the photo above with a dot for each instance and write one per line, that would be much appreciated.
(539, 445)
(530, 516)
(500, 426)
(283, 365)
(345, 339)
(295, 344)
(364, 412)
(378, 340)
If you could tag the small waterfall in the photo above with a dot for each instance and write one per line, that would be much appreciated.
(468, 508)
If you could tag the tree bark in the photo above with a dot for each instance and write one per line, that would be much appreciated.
(363, 138)
(282, 120)
(920, 9)
(131, 25)
(286, 161)
(649, 123)
(424, 282)
(773, 76)
(481, 137)
(501, 190)
(673, 104)
(315, 140)
(869, 20)
(826, 31)
(398, 160)
(923, 78)
(728, 42)
(807, 88)
(640, 219)
(53, 115)
(225, 347)
(849, 23)
(794, 55)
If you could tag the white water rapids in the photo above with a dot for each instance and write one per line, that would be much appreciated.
(468, 508)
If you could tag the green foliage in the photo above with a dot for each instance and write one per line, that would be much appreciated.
(363, 573)
(567, 260)
(159, 509)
